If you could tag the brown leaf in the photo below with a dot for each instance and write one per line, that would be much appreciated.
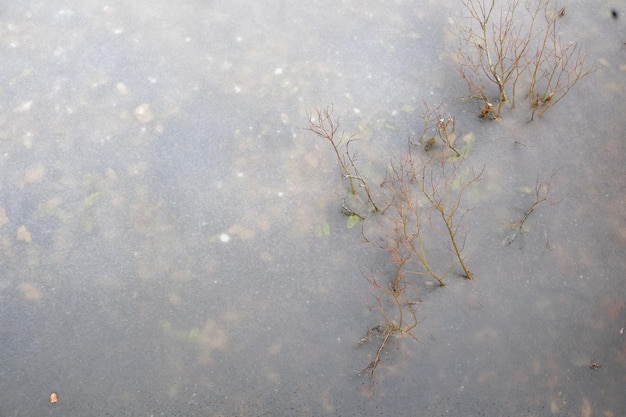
(23, 234)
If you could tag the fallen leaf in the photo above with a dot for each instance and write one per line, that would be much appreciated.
(240, 231)
(34, 173)
(23, 234)
(3, 216)
(585, 409)
(30, 291)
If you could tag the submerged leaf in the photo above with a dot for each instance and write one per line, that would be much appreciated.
(193, 334)
(23, 234)
(353, 220)
(91, 199)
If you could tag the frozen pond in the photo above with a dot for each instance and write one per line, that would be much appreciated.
(173, 242)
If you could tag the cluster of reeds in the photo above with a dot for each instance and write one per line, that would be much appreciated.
(506, 50)
(512, 47)
(426, 231)
(427, 186)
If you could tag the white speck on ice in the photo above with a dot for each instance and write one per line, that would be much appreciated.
(24, 107)
(224, 237)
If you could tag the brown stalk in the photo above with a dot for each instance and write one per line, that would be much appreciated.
(556, 68)
(393, 326)
(492, 50)
(408, 215)
(323, 125)
(443, 184)
(542, 195)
